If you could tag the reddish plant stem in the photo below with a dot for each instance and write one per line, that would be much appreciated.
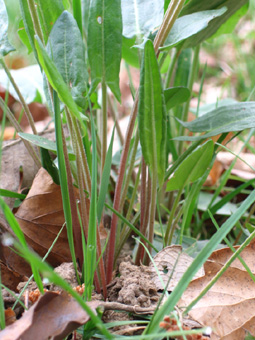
(116, 203)
(171, 15)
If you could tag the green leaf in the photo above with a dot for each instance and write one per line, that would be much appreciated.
(24, 37)
(8, 193)
(176, 96)
(234, 117)
(152, 113)
(29, 88)
(130, 53)
(28, 23)
(48, 12)
(56, 80)
(105, 179)
(49, 165)
(66, 48)
(192, 168)
(229, 26)
(211, 106)
(44, 143)
(141, 17)
(189, 25)
(198, 5)
(5, 46)
(104, 43)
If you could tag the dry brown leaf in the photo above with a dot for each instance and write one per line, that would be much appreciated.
(41, 217)
(229, 305)
(54, 315)
(10, 278)
(240, 169)
(166, 260)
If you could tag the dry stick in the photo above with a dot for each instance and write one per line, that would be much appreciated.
(21, 98)
(18, 128)
(171, 15)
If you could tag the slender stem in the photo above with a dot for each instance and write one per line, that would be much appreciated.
(152, 210)
(21, 98)
(75, 219)
(116, 203)
(171, 15)
(114, 116)
(190, 86)
(18, 128)
(124, 232)
(170, 227)
(104, 125)
(171, 67)
(130, 171)
(36, 22)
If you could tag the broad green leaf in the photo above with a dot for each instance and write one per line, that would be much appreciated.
(192, 168)
(204, 199)
(48, 12)
(140, 17)
(104, 43)
(229, 26)
(189, 25)
(29, 88)
(56, 80)
(130, 53)
(28, 23)
(44, 143)
(198, 5)
(211, 106)
(175, 96)
(152, 114)
(66, 48)
(5, 46)
(24, 37)
(234, 117)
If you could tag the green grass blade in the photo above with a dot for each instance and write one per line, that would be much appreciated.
(131, 226)
(19, 234)
(8, 193)
(197, 263)
(63, 176)
(105, 180)
(92, 232)
(53, 277)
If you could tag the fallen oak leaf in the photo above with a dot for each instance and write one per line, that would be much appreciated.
(171, 262)
(53, 315)
(230, 303)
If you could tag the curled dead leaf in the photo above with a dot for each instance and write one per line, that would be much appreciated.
(54, 315)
